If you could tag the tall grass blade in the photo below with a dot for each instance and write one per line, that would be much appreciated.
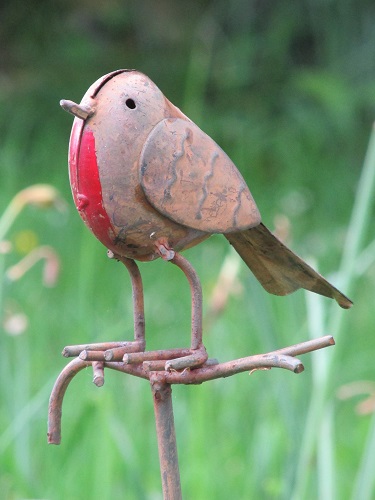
(364, 485)
(358, 227)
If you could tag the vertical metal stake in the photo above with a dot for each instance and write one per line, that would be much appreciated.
(170, 474)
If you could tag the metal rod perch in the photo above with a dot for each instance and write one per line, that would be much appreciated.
(164, 368)
(166, 435)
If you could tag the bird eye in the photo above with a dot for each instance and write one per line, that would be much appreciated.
(130, 103)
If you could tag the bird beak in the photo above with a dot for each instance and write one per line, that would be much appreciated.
(82, 111)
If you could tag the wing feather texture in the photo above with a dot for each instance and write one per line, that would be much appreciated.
(187, 177)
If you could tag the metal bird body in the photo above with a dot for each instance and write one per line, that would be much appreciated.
(148, 182)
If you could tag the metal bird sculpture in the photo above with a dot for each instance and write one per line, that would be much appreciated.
(148, 182)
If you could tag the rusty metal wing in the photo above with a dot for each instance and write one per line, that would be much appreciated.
(188, 178)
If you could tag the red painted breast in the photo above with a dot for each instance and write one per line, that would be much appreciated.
(85, 182)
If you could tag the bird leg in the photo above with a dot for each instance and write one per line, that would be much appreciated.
(196, 299)
(198, 355)
(114, 351)
(173, 359)
(133, 352)
(177, 359)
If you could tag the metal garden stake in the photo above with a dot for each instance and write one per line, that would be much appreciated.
(149, 183)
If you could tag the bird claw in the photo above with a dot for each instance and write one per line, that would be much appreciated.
(197, 358)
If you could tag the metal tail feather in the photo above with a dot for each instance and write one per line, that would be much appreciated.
(277, 268)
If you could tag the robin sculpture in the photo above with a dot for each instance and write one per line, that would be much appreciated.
(148, 183)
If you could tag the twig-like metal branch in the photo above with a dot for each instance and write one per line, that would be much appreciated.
(56, 398)
(98, 375)
(308, 346)
(282, 358)
(142, 366)
(139, 357)
(74, 350)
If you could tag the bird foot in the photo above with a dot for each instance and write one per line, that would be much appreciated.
(168, 359)
(132, 353)
(103, 351)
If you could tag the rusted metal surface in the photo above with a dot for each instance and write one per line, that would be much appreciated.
(140, 357)
(283, 358)
(196, 299)
(138, 300)
(166, 435)
(195, 184)
(98, 373)
(117, 353)
(56, 399)
(148, 182)
(88, 355)
(75, 350)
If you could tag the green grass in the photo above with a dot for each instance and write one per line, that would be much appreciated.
(296, 123)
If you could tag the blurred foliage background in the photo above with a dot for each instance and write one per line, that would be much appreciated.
(287, 88)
